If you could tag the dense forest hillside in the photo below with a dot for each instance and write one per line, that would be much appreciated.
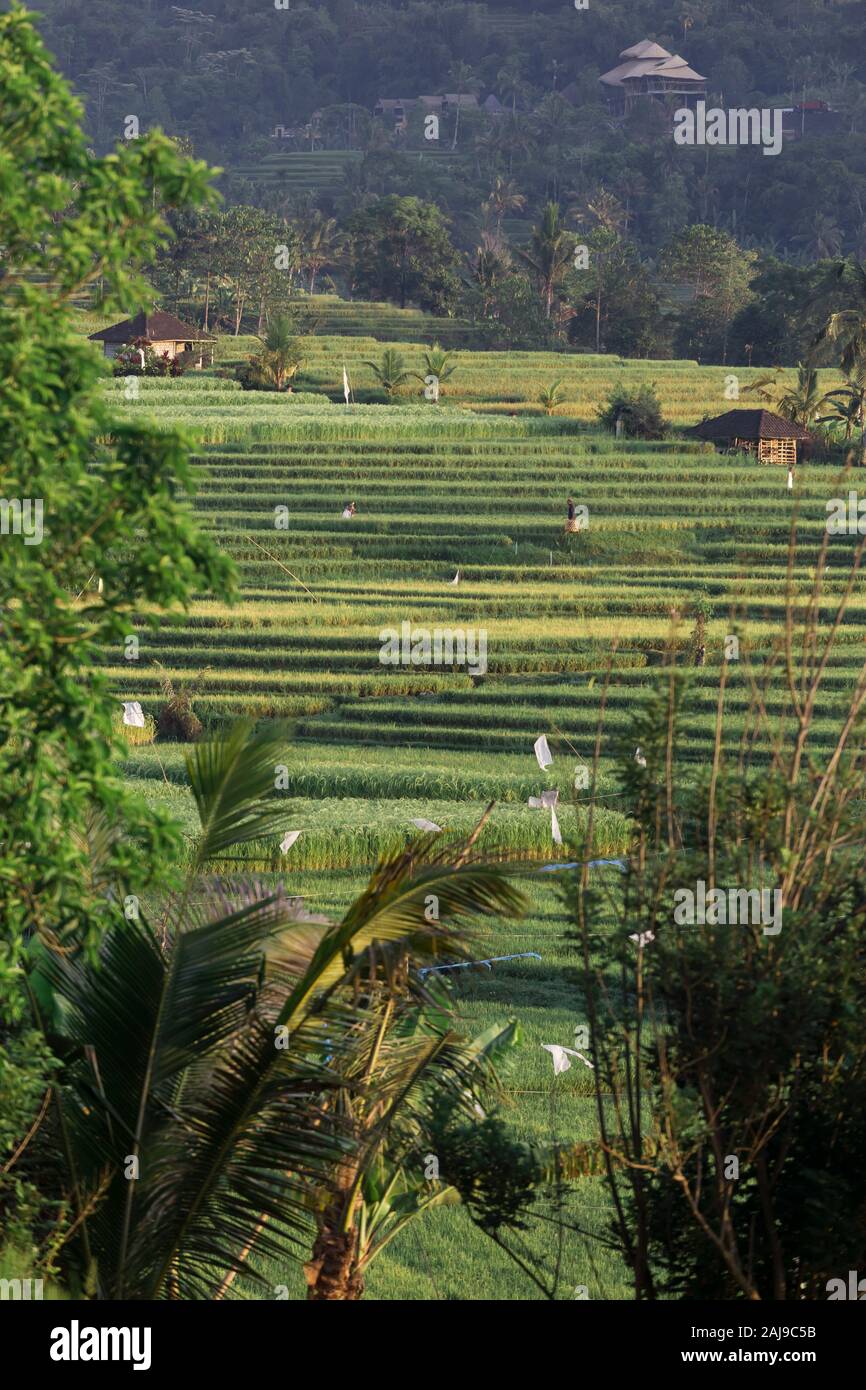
(225, 76)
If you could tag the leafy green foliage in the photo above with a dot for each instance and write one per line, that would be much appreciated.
(639, 411)
(117, 532)
(497, 1175)
(400, 250)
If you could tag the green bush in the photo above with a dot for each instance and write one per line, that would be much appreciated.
(640, 411)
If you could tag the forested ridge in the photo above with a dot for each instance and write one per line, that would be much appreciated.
(225, 75)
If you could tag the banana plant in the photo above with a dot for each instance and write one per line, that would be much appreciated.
(390, 1179)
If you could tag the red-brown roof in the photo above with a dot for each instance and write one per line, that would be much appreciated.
(158, 327)
(749, 424)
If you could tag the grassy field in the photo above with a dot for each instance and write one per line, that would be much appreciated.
(672, 528)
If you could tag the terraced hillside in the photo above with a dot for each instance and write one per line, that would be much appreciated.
(300, 171)
(383, 322)
(487, 383)
(449, 494)
(672, 529)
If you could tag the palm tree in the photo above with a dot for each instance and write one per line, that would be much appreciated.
(848, 404)
(603, 210)
(823, 239)
(438, 363)
(549, 257)
(504, 197)
(280, 358)
(407, 1080)
(395, 1072)
(321, 245)
(551, 397)
(799, 404)
(510, 82)
(208, 1057)
(465, 84)
(487, 271)
(846, 328)
(390, 372)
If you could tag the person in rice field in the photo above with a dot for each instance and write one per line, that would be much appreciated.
(572, 523)
(348, 511)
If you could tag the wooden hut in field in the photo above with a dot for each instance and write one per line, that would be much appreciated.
(770, 438)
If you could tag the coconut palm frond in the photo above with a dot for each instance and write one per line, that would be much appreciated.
(232, 782)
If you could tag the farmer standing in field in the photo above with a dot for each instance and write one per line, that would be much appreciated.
(572, 524)
(348, 511)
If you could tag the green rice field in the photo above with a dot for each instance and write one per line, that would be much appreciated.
(465, 489)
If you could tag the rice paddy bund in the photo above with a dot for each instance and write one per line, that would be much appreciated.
(472, 490)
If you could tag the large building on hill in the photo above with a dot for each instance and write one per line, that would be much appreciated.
(647, 71)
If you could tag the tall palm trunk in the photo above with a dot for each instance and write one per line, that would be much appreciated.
(332, 1272)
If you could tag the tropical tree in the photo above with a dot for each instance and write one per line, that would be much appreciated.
(510, 82)
(465, 83)
(730, 1050)
(823, 237)
(390, 372)
(438, 363)
(246, 238)
(504, 197)
(718, 272)
(550, 254)
(798, 403)
(111, 496)
(848, 406)
(225, 1063)
(321, 245)
(845, 329)
(551, 397)
(404, 1066)
(400, 250)
(280, 357)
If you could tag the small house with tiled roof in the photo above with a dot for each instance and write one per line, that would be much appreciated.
(162, 331)
(770, 438)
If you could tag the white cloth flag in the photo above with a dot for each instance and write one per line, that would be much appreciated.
(289, 839)
(133, 713)
(642, 938)
(542, 752)
(345, 384)
(561, 1055)
(554, 828)
(547, 799)
(456, 579)
(423, 824)
(639, 757)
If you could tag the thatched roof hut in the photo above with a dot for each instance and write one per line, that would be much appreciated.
(770, 438)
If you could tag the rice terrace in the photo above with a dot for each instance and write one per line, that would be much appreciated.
(432, 679)
(676, 536)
